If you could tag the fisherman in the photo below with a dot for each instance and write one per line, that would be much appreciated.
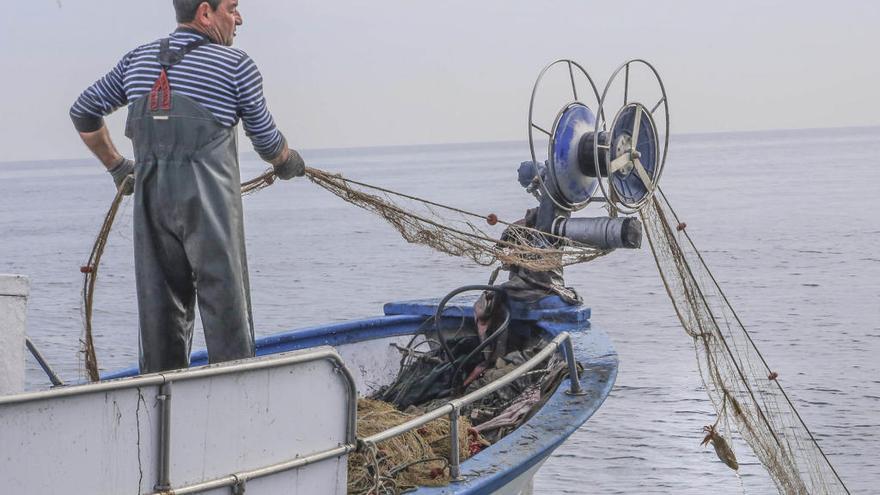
(185, 96)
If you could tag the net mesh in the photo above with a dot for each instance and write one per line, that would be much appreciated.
(744, 391)
(416, 458)
(455, 231)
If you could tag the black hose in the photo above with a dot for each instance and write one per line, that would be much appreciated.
(442, 305)
(501, 329)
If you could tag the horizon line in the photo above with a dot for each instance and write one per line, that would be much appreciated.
(250, 154)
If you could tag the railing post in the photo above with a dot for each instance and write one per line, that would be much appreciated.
(454, 460)
(164, 399)
(573, 375)
(240, 486)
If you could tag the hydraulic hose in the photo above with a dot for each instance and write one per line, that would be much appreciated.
(442, 306)
(501, 329)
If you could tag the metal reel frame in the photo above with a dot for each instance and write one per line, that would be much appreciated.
(613, 196)
(572, 65)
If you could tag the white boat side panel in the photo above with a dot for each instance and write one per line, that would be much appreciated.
(222, 423)
(13, 308)
(99, 443)
(373, 363)
(227, 424)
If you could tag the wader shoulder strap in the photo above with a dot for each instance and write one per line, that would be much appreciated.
(169, 57)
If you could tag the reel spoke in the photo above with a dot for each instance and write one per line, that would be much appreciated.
(536, 126)
(643, 174)
(658, 104)
(618, 163)
(574, 88)
(636, 125)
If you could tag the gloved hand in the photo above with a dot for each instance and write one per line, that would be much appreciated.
(120, 171)
(294, 166)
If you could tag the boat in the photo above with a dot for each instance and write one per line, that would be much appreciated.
(284, 422)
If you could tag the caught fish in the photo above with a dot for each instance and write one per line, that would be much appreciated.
(722, 448)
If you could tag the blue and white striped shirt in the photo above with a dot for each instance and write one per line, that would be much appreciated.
(223, 79)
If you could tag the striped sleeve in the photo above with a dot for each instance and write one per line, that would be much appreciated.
(100, 99)
(258, 123)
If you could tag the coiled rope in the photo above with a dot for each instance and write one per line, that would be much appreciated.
(90, 269)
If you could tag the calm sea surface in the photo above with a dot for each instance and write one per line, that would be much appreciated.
(788, 221)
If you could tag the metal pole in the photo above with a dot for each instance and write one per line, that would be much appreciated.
(164, 398)
(233, 479)
(454, 460)
(43, 364)
(573, 376)
(156, 379)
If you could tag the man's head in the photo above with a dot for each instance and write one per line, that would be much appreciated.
(215, 18)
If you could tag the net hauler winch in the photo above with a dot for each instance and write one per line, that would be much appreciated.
(621, 159)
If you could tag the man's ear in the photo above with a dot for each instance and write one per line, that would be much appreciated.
(203, 13)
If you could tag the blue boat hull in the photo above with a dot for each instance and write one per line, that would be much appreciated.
(506, 466)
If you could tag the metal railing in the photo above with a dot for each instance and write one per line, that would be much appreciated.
(164, 382)
(452, 408)
(238, 481)
(159, 379)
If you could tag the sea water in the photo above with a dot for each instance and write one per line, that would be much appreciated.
(787, 221)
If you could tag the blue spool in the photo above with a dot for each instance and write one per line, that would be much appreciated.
(567, 180)
(630, 188)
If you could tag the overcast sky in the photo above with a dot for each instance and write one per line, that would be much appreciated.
(387, 72)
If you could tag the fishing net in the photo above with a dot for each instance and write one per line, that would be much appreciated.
(744, 391)
(416, 458)
(427, 380)
(455, 231)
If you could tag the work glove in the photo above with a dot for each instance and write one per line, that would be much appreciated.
(120, 171)
(294, 166)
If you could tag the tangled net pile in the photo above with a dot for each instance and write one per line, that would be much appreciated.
(419, 222)
(416, 458)
(741, 386)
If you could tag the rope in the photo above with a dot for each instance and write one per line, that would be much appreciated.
(794, 458)
(519, 245)
(723, 340)
(752, 342)
(90, 269)
(90, 277)
(490, 218)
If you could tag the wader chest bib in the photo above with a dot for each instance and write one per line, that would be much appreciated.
(188, 230)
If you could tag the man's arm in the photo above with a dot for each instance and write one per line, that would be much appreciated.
(259, 125)
(101, 145)
(88, 111)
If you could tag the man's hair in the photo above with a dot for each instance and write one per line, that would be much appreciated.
(186, 9)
